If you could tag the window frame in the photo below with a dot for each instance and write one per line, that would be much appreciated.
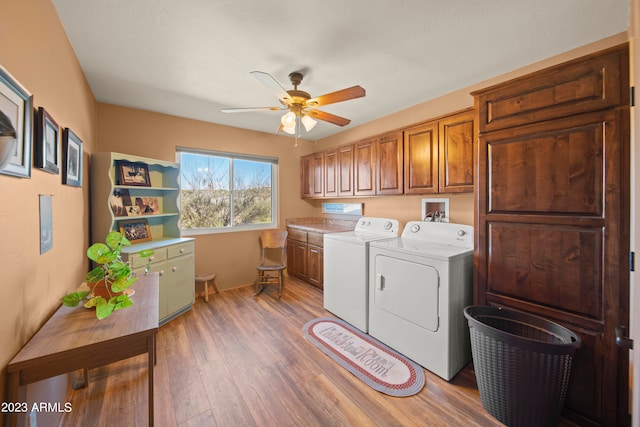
(231, 156)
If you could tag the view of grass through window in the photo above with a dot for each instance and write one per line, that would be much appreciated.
(225, 191)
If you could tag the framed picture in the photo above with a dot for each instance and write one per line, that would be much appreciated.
(47, 145)
(17, 105)
(119, 201)
(136, 230)
(148, 205)
(131, 173)
(133, 211)
(72, 161)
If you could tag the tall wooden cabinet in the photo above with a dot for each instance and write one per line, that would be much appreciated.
(173, 255)
(552, 220)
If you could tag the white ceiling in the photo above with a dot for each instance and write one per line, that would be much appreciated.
(191, 58)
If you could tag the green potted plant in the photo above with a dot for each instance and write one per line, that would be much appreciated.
(109, 281)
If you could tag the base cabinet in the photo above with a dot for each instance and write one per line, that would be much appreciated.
(174, 262)
(305, 256)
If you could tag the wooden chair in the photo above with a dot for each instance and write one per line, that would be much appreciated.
(273, 243)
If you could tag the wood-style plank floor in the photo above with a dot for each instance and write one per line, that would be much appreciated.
(241, 360)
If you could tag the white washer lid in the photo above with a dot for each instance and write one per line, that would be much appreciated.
(358, 237)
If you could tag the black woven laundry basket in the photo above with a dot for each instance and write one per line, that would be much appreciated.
(522, 364)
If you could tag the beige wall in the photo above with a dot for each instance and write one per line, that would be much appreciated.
(35, 50)
(233, 256)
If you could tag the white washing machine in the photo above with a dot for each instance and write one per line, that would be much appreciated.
(419, 285)
(346, 268)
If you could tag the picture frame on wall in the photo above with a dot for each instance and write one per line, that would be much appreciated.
(17, 105)
(133, 173)
(136, 230)
(72, 161)
(47, 144)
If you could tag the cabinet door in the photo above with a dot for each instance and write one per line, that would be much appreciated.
(315, 265)
(365, 168)
(317, 189)
(331, 173)
(306, 179)
(389, 164)
(345, 171)
(456, 136)
(291, 260)
(421, 159)
(180, 283)
(160, 268)
(300, 259)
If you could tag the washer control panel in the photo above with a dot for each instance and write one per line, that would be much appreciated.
(378, 225)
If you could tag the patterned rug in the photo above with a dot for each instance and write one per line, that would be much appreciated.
(377, 365)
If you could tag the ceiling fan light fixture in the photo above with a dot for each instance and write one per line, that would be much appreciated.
(291, 130)
(288, 120)
(308, 123)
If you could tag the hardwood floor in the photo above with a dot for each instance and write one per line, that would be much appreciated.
(241, 360)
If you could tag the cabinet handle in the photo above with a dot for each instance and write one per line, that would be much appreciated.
(151, 258)
(174, 269)
(181, 250)
(380, 282)
(162, 272)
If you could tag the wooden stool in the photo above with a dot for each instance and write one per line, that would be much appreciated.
(206, 279)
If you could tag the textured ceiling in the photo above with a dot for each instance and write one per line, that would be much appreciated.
(191, 58)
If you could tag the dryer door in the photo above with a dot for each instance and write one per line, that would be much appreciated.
(407, 290)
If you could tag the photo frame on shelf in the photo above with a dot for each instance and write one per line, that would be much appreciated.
(136, 230)
(47, 144)
(119, 201)
(16, 104)
(72, 161)
(133, 173)
(148, 205)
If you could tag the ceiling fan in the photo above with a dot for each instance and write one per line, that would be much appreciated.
(301, 106)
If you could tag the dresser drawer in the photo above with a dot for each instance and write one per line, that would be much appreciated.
(178, 250)
(295, 234)
(135, 260)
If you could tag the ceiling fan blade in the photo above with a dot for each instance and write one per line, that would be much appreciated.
(245, 110)
(338, 96)
(327, 117)
(268, 80)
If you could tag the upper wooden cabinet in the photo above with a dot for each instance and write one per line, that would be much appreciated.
(364, 163)
(389, 177)
(312, 171)
(433, 157)
(421, 159)
(438, 155)
(456, 134)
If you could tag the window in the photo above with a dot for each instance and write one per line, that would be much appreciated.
(226, 191)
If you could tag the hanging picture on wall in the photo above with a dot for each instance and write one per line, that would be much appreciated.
(72, 158)
(131, 173)
(136, 230)
(46, 223)
(16, 110)
(47, 145)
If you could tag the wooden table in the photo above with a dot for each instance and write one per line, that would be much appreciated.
(73, 338)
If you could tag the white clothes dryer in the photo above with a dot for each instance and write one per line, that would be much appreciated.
(419, 286)
(346, 268)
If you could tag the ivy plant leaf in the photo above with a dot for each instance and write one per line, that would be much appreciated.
(146, 253)
(114, 239)
(121, 285)
(119, 270)
(121, 301)
(104, 309)
(73, 299)
(94, 302)
(101, 253)
(95, 275)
